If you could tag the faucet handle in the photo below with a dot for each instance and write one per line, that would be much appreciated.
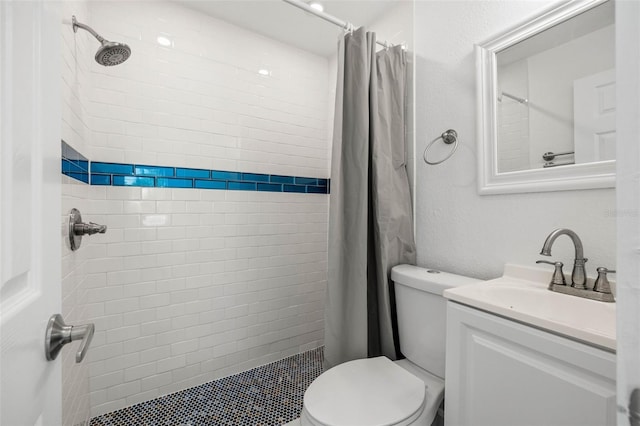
(558, 274)
(602, 282)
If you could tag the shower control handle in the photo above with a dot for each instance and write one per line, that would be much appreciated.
(89, 228)
(59, 334)
(77, 228)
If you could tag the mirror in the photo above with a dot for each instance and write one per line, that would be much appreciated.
(546, 93)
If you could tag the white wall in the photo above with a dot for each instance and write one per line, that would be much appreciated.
(202, 103)
(75, 377)
(76, 77)
(458, 230)
(396, 27)
(76, 132)
(190, 285)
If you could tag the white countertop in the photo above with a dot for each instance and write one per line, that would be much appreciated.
(522, 294)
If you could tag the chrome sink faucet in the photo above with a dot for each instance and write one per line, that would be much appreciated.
(578, 275)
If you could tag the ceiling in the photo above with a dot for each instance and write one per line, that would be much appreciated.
(288, 24)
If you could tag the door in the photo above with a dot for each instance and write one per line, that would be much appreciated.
(628, 207)
(594, 117)
(30, 118)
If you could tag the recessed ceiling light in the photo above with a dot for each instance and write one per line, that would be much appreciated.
(317, 6)
(264, 71)
(164, 41)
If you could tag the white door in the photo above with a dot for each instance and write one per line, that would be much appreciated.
(30, 117)
(594, 117)
(628, 207)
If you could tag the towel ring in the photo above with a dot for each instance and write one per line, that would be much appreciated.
(449, 137)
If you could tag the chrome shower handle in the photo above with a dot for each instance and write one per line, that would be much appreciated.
(89, 228)
(59, 334)
(77, 228)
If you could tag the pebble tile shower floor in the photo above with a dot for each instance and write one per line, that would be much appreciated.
(264, 396)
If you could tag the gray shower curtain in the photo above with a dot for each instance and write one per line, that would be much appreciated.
(370, 216)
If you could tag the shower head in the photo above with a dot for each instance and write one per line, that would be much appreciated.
(111, 52)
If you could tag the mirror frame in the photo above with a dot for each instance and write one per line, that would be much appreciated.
(578, 176)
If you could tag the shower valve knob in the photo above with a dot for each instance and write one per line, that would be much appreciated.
(77, 228)
(89, 228)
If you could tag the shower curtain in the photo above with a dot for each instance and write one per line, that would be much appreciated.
(370, 216)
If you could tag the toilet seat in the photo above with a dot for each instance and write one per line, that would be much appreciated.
(373, 391)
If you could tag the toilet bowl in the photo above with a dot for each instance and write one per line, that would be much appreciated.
(378, 391)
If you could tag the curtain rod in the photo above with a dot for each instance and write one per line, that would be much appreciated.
(347, 26)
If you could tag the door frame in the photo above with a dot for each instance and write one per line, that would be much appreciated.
(628, 201)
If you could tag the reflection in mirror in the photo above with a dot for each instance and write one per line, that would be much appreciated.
(555, 95)
(546, 102)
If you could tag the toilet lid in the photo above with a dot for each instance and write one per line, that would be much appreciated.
(369, 392)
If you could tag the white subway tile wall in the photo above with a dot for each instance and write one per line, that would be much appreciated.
(197, 295)
(75, 377)
(513, 119)
(191, 285)
(76, 132)
(202, 102)
(76, 77)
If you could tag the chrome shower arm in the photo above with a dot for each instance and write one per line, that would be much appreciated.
(77, 25)
(110, 52)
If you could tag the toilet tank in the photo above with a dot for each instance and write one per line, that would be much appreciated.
(421, 311)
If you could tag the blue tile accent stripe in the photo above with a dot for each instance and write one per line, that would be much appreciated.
(193, 173)
(112, 168)
(218, 174)
(241, 186)
(121, 174)
(131, 181)
(117, 174)
(211, 184)
(74, 164)
(153, 171)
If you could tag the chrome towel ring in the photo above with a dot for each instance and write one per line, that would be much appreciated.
(449, 137)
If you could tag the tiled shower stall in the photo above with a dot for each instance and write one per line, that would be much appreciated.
(189, 285)
(209, 166)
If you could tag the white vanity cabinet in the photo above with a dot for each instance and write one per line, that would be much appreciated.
(503, 372)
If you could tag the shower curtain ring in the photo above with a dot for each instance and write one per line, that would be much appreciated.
(449, 137)
(349, 28)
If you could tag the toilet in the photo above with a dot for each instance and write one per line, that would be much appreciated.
(378, 391)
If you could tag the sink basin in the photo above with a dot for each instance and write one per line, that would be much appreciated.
(521, 294)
